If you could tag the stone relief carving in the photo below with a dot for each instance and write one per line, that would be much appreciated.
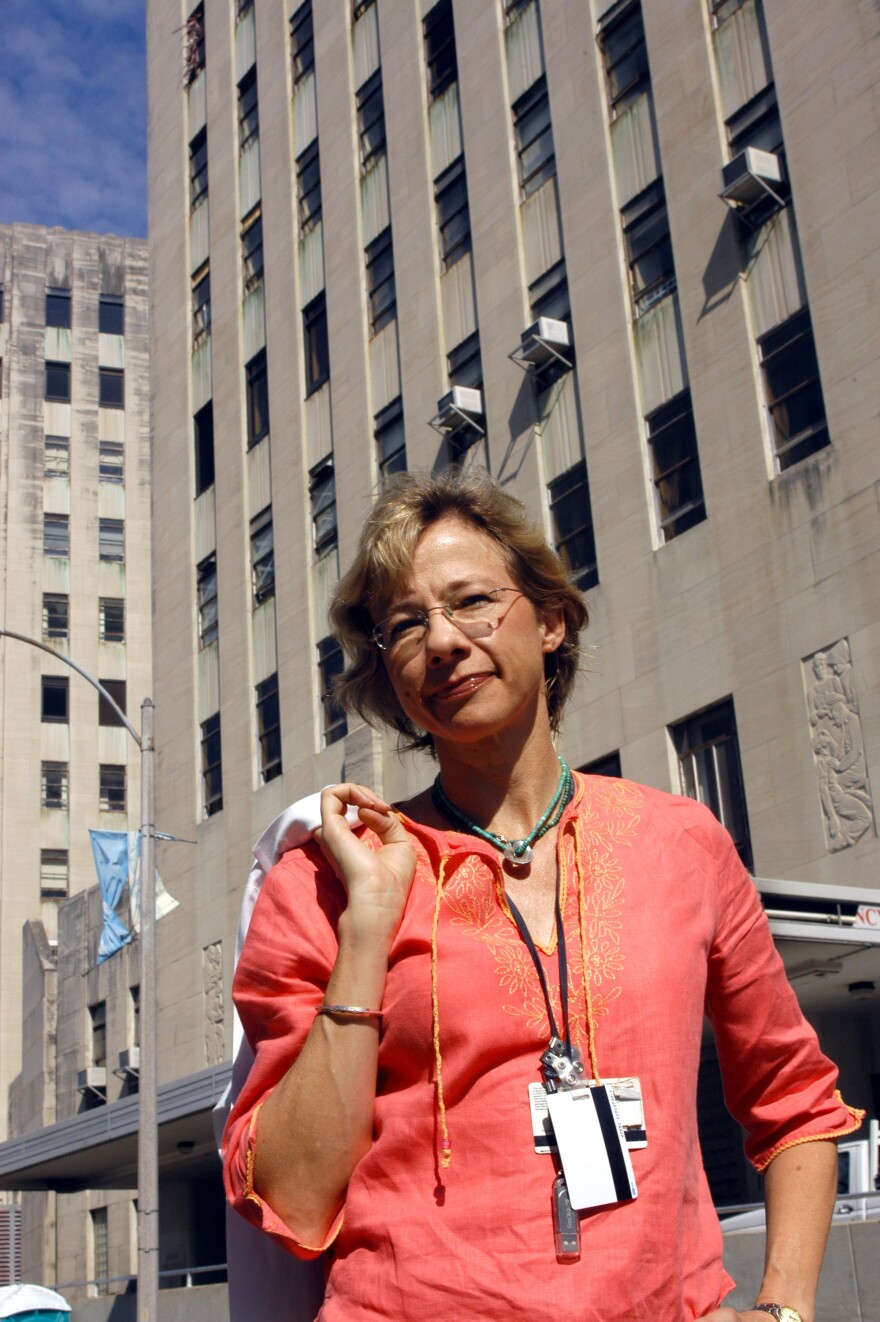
(838, 747)
(215, 1036)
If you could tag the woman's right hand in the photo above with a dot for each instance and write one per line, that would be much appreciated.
(377, 881)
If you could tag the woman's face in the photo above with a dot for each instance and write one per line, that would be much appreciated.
(459, 688)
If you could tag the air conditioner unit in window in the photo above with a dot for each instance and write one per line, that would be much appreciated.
(543, 341)
(460, 409)
(806, 911)
(752, 177)
(129, 1063)
(92, 1080)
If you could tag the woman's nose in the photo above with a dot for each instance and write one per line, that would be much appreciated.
(442, 636)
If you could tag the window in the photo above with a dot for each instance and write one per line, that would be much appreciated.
(201, 305)
(98, 1024)
(111, 540)
(56, 534)
(625, 55)
(58, 382)
(440, 48)
(54, 699)
(106, 714)
(252, 251)
(379, 257)
(648, 247)
(756, 124)
(302, 43)
(672, 437)
(793, 389)
(58, 308)
(534, 137)
(603, 766)
(548, 295)
(322, 495)
(100, 1250)
(308, 188)
(464, 363)
(56, 615)
(212, 768)
(56, 456)
(54, 784)
(453, 213)
(2, 305)
(54, 874)
(248, 108)
(330, 664)
(111, 619)
(135, 1006)
(203, 436)
(111, 314)
(316, 346)
(198, 168)
(371, 119)
(194, 43)
(709, 764)
(572, 520)
(269, 728)
(111, 388)
(359, 7)
(390, 440)
(206, 595)
(257, 401)
(723, 9)
(263, 556)
(111, 461)
(111, 788)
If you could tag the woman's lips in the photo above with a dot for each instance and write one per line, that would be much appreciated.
(459, 688)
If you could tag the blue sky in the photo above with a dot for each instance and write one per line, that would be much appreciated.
(73, 136)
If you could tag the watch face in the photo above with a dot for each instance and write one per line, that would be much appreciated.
(789, 1315)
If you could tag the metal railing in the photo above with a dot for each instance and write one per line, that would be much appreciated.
(185, 1274)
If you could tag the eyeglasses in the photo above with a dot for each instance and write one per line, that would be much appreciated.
(477, 613)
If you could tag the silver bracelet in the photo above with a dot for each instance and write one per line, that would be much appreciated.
(351, 1011)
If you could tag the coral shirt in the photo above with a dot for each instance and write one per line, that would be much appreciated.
(669, 924)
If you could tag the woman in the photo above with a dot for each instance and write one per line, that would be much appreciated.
(410, 980)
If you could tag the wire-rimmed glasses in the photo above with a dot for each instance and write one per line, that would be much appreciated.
(477, 613)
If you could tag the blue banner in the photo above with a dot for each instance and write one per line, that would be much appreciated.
(110, 851)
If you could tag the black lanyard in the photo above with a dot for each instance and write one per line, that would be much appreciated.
(563, 967)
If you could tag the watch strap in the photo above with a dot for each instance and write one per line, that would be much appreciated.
(781, 1312)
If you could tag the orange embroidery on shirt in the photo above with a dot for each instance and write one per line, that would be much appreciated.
(607, 819)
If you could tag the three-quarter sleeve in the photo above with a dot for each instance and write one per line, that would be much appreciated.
(777, 1082)
(282, 974)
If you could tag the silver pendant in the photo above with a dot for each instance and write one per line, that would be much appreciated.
(518, 860)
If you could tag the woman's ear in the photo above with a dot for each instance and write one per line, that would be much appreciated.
(553, 627)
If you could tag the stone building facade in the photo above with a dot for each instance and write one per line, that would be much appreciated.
(624, 258)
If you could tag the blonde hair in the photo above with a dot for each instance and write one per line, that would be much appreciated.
(409, 504)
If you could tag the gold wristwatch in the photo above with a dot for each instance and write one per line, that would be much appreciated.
(780, 1312)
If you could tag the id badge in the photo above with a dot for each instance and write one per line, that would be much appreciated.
(628, 1096)
(592, 1146)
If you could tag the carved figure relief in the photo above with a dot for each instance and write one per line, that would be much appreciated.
(215, 1036)
(838, 747)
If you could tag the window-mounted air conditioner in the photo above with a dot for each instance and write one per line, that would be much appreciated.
(543, 341)
(805, 911)
(753, 176)
(92, 1080)
(129, 1063)
(460, 408)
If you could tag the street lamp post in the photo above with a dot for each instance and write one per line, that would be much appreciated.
(148, 1134)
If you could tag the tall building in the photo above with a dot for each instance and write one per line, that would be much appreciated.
(75, 577)
(623, 258)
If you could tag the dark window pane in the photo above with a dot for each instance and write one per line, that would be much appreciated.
(201, 305)
(212, 769)
(269, 728)
(371, 119)
(322, 494)
(111, 461)
(572, 520)
(206, 595)
(248, 108)
(111, 619)
(111, 539)
(58, 308)
(263, 556)
(302, 44)
(198, 167)
(308, 187)
(111, 388)
(622, 40)
(534, 137)
(330, 664)
(116, 690)
(56, 456)
(53, 874)
(794, 391)
(56, 535)
(379, 258)
(111, 791)
(56, 612)
(464, 363)
(252, 251)
(453, 213)
(203, 435)
(440, 48)
(58, 382)
(111, 314)
(54, 784)
(708, 752)
(316, 345)
(676, 466)
(54, 694)
(257, 383)
(390, 439)
(649, 247)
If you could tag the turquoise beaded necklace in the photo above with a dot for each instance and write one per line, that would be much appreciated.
(517, 852)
